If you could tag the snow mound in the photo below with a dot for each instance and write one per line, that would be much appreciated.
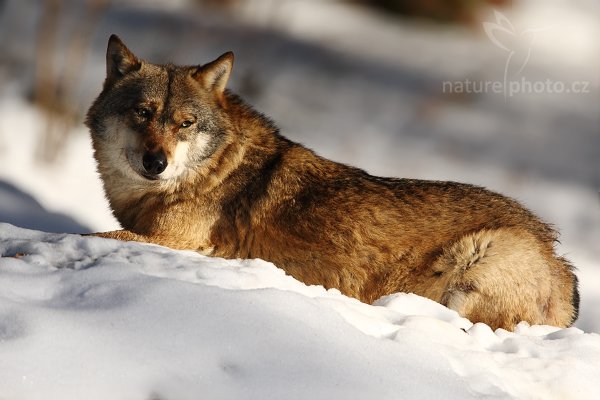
(84, 317)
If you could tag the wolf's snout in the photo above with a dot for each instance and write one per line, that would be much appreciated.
(154, 163)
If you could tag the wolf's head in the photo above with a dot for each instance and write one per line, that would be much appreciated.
(155, 122)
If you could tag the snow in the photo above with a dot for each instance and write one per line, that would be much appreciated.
(84, 317)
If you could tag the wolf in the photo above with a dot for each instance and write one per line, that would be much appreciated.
(187, 164)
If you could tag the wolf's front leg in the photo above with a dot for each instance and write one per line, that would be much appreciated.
(124, 235)
(162, 240)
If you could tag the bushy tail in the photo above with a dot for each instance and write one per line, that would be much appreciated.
(504, 276)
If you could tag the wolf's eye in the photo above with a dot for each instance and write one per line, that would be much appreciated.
(143, 112)
(186, 124)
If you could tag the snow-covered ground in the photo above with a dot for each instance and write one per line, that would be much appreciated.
(90, 318)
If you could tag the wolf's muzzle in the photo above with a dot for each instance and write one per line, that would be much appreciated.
(154, 163)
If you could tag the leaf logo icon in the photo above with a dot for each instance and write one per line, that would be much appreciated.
(517, 44)
(498, 32)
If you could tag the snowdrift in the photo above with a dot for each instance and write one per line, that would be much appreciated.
(84, 317)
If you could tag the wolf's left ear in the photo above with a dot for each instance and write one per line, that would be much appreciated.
(214, 75)
(119, 59)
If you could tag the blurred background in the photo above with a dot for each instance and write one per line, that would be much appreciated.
(503, 94)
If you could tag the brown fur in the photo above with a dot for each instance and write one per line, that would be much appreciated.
(244, 191)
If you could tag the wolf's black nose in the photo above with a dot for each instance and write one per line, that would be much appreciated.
(154, 163)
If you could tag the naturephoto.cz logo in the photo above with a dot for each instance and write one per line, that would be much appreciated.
(518, 47)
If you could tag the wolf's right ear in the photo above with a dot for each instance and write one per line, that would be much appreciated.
(214, 75)
(119, 60)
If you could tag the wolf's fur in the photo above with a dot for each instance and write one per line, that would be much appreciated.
(235, 188)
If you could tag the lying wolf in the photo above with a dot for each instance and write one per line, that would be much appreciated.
(188, 165)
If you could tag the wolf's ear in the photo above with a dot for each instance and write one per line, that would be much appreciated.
(119, 59)
(214, 75)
